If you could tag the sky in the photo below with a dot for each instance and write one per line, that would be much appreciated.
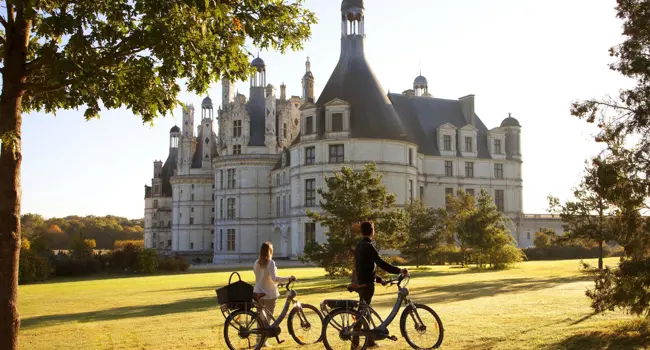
(529, 58)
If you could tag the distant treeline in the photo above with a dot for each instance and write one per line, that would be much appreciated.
(105, 230)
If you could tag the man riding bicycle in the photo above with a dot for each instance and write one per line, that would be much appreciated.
(366, 260)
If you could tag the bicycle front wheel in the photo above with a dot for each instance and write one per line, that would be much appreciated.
(341, 330)
(241, 330)
(306, 324)
(421, 327)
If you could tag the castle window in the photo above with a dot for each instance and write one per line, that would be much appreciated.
(221, 239)
(421, 192)
(191, 245)
(284, 130)
(497, 146)
(221, 179)
(446, 142)
(212, 221)
(284, 206)
(156, 188)
(468, 144)
(277, 206)
(498, 171)
(192, 196)
(309, 125)
(155, 204)
(236, 128)
(410, 156)
(470, 191)
(192, 186)
(231, 240)
(310, 192)
(231, 208)
(191, 221)
(192, 209)
(411, 189)
(231, 178)
(310, 232)
(310, 155)
(449, 168)
(499, 200)
(337, 122)
(337, 154)
(469, 169)
(236, 149)
(220, 208)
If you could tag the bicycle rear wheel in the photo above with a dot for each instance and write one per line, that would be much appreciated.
(241, 330)
(338, 328)
(306, 324)
(421, 327)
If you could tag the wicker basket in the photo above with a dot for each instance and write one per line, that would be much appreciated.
(235, 293)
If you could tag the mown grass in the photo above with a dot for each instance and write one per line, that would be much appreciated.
(538, 305)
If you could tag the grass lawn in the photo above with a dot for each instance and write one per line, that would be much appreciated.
(538, 305)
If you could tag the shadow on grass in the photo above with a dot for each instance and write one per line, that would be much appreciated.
(472, 290)
(630, 335)
(119, 313)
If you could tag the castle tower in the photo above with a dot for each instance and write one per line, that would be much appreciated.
(186, 149)
(270, 129)
(227, 92)
(207, 139)
(308, 84)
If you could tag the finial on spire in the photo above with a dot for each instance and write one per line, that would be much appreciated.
(509, 115)
(308, 65)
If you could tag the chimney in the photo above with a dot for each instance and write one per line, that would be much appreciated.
(467, 106)
(283, 92)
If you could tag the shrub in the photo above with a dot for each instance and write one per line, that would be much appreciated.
(66, 266)
(148, 261)
(120, 245)
(173, 263)
(506, 256)
(32, 267)
(565, 252)
(126, 258)
(447, 255)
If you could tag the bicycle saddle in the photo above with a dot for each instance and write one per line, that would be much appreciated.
(353, 287)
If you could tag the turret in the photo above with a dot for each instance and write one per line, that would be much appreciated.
(228, 93)
(421, 86)
(283, 92)
(207, 139)
(308, 84)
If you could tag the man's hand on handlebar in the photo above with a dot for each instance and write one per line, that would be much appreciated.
(292, 279)
(405, 272)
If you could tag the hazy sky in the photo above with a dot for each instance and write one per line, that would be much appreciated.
(530, 58)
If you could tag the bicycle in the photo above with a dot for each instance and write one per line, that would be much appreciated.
(358, 312)
(253, 326)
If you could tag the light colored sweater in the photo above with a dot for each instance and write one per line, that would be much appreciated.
(266, 280)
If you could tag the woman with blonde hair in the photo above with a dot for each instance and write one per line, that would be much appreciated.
(266, 279)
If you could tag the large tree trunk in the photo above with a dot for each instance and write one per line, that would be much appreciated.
(13, 78)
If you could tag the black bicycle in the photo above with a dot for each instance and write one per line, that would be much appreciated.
(348, 322)
(245, 329)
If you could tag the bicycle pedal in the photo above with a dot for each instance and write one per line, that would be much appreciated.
(392, 337)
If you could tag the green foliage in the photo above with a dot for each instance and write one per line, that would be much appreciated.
(33, 267)
(479, 229)
(119, 245)
(420, 238)
(546, 237)
(587, 218)
(350, 198)
(567, 252)
(82, 248)
(174, 264)
(105, 230)
(148, 261)
(626, 287)
(126, 258)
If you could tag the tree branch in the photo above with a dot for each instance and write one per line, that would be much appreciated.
(38, 88)
(3, 21)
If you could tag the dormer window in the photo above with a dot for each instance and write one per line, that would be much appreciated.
(337, 122)
(497, 146)
(468, 144)
(447, 143)
(236, 149)
(309, 125)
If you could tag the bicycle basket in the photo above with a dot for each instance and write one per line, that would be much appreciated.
(235, 293)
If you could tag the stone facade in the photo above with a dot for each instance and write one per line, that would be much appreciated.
(219, 196)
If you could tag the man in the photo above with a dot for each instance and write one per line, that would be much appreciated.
(366, 260)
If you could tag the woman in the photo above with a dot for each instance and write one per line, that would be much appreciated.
(266, 279)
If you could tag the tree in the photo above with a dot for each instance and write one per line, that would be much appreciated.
(32, 224)
(545, 237)
(351, 197)
(420, 239)
(624, 124)
(63, 54)
(587, 218)
(478, 227)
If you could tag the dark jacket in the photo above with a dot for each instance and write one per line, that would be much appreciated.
(366, 256)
